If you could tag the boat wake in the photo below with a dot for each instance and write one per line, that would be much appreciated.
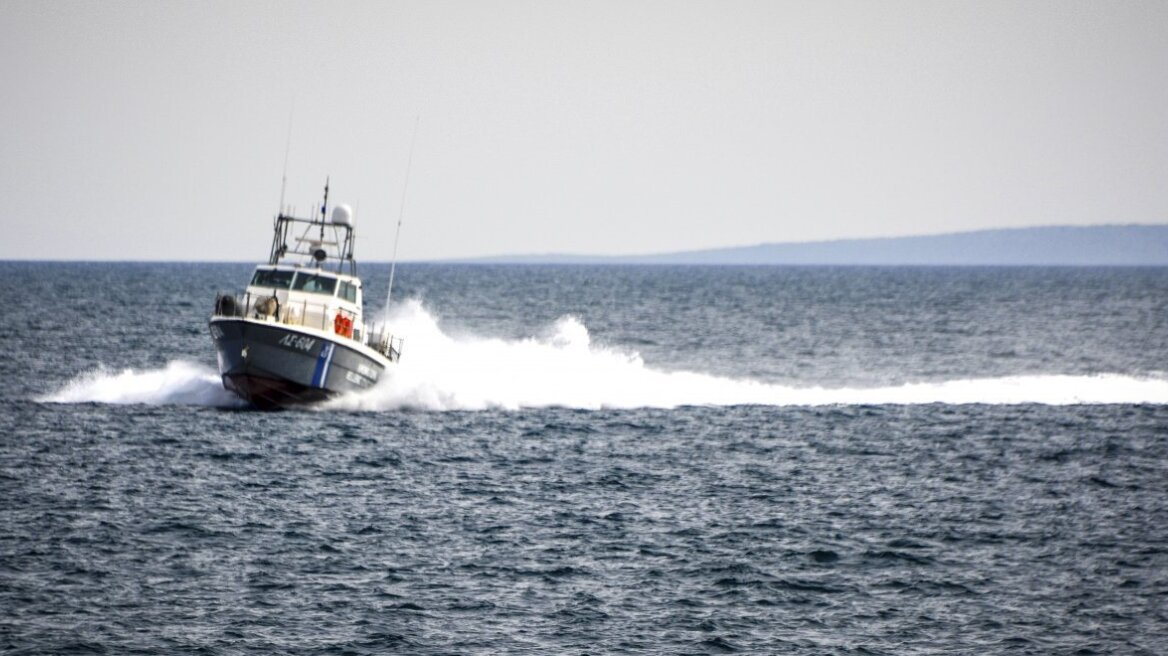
(563, 368)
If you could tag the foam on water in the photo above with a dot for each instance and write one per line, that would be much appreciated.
(562, 367)
(179, 383)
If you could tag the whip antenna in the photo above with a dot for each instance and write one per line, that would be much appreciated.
(287, 148)
(401, 211)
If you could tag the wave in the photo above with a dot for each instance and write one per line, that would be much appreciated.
(562, 367)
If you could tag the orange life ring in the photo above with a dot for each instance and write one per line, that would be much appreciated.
(339, 324)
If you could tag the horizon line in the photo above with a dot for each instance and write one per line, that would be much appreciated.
(529, 258)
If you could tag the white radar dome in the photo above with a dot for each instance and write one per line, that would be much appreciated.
(343, 215)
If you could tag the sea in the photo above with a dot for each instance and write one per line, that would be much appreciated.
(597, 460)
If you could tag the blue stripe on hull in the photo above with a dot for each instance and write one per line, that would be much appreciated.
(322, 364)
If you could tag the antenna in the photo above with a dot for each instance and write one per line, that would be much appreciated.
(401, 211)
(324, 208)
(287, 148)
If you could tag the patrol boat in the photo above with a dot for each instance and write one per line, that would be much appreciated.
(297, 333)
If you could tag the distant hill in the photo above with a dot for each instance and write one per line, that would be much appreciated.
(1116, 245)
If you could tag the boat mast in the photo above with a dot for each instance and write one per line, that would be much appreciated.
(316, 248)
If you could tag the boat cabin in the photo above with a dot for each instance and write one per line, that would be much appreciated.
(309, 297)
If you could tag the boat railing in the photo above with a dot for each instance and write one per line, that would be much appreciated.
(322, 316)
(381, 340)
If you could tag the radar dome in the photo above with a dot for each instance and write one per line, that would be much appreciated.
(343, 215)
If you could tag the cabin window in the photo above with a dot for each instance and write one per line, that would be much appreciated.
(310, 282)
(272, 278)
(348, 291)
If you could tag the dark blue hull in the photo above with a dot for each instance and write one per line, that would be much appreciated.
(271, 365)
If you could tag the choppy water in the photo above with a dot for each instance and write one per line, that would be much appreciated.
(598, 460)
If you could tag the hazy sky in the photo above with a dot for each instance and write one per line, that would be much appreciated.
(157, 130)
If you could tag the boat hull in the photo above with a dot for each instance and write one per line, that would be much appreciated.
(271, 365)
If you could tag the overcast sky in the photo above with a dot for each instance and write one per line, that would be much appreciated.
(157, 130)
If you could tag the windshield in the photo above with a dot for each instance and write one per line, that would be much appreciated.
(272, 278)
(316, 284)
